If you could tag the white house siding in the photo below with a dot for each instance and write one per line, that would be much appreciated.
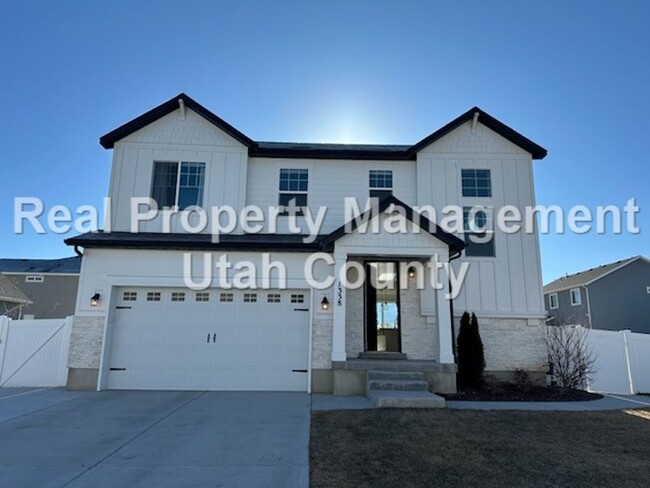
(173, 139)
(330, 182)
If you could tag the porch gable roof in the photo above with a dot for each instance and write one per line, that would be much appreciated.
(455, 244)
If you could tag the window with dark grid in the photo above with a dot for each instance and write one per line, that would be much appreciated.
(476, 183)
(381, 183)
(294, 184)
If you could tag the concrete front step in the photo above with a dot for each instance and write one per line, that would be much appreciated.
(395, 375)
(397, 385)
(383, 356)
(406, 399)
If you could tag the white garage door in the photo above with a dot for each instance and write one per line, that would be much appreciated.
(178, 339)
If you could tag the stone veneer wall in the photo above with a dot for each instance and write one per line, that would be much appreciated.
(418, 331)
(86, 342)
(511, 343)
(321, 352)
(354, 322)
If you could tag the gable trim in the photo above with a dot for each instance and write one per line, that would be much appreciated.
(454, 243)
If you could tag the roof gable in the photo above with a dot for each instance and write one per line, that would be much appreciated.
(537, 151)
(108, 140)
(320, 151)
(385, 205)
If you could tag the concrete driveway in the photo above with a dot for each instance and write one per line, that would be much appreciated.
(54, 438)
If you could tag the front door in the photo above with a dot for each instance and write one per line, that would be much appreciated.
(382, 306)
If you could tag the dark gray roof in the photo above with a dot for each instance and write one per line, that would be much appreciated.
(321, 151)
(64, 265)
(10, 292)
(585, 277)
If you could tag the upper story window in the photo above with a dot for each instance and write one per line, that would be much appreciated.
(178, 184)
(479, 232)
(381, 183)
(476, 183)
(294, 184)
(576, 297)
(552, 301)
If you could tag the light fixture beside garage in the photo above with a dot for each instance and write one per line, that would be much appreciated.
(94, 300)
(411, 272)
(325, 303)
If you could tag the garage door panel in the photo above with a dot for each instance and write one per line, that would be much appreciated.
(228, 340)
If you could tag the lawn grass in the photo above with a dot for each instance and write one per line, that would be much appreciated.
(456, 448)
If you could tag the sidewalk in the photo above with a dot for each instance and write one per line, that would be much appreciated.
(321, 402)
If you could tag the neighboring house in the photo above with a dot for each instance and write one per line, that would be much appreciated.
(613, 296)
(50, 285)
(138, 326)
(12, 300)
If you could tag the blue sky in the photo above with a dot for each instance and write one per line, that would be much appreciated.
(573, 76)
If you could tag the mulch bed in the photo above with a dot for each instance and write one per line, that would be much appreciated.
(510, 392)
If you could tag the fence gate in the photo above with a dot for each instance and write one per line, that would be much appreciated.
(34, 352)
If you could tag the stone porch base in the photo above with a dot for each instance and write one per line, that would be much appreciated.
(348, 378)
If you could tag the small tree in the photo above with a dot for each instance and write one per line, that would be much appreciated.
(471, 360)
(571, 358)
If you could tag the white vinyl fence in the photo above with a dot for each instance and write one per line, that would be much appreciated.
(622, 361)
(34, 352)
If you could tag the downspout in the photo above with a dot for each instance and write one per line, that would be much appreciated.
(78, 252)
(588, 306)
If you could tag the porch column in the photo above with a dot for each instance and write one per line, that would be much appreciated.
(338, 302)
(445, 338)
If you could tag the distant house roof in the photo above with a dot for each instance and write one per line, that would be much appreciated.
(321, 151)
(10, 292)
(64, 265)
(587, 277)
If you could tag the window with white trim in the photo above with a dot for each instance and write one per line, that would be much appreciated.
(552, 301)
(273, 298)
(476, 182)
(576, 297)
(130, 296)
(34, 279)
(297, 298)
(294, 184)
(380, 183)
(178, 184)
(153, 296)
(478, 231)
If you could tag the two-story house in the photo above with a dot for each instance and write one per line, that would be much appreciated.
(614, 296)
(139, 326)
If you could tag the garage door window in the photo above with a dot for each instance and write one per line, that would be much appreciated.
(273, 298)
(226, 297)
(130, 296)
(250, 297)
(202, 296)
(297, 298)
(153, 296)
(178, 296)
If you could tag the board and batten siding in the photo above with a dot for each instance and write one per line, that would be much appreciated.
(509, 284)
(171, 138)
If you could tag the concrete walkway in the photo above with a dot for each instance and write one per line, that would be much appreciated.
(609, 402)
(162, 439)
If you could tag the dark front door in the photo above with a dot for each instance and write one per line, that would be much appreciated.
(382, 306)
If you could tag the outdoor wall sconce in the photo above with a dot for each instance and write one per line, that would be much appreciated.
(411, 272)
(94, 300)
(325, 304)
